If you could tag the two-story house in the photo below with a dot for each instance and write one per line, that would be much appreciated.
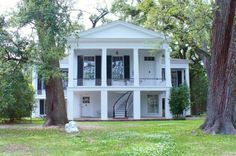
(117, 70)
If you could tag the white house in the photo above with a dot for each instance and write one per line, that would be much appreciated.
(117, 70)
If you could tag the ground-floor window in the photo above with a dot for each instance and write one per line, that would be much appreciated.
(152, 104)
(42, 107)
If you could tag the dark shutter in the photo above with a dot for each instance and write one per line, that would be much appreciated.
(39, 83)
(98, 70)
(179, 77)
(163, 107)
(163, 74)
(127, 67)
(41, 107)
(80, 71)
(109, 70)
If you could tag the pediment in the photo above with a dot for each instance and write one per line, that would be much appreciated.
(120, 29)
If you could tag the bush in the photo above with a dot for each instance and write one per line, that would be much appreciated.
(179, 100)
(16, 96)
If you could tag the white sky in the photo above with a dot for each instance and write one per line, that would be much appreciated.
(86, 5)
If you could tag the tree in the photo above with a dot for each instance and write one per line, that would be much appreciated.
(198, 85)
(16, 95)
(179, 100)
(52, 23)
(95, 18)
(221, 104)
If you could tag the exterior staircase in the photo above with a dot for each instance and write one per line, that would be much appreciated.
(122, 105)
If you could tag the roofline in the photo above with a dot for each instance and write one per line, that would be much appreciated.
(127, 24)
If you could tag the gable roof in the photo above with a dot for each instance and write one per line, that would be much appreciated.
(121, 29)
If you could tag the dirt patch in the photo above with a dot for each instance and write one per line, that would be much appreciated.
(90, 127)
(15, 148)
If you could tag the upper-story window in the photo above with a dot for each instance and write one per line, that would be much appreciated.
(117, 67)
(64, 78)
(89, 67)
(176, 77)
(40, 84)
(149, 58)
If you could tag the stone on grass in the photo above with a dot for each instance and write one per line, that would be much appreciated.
(71, 127)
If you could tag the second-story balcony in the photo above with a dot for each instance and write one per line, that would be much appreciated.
(119, 67)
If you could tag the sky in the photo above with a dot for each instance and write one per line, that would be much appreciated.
(88, 6)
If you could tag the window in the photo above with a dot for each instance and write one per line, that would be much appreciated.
(89, 67)
(149, 58)
(64, 78)
(42, 107)
(86, 99)
(41, 84)
(152, 104)
(163, 74)
(174, 78)
(117, 67)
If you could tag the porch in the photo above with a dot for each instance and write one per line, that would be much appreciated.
(118, 105)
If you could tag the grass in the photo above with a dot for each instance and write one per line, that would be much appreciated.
(116, 138)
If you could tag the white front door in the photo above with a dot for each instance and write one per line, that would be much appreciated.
(152, 104)
(148, 71)
(86, 106)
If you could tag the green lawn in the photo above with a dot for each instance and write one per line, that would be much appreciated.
(116, 138)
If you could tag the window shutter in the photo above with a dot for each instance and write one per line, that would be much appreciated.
(39, 83)
(80, 71)
(41, 107)
(179, 77)
(126, 67)
(163, 74)
(98, 70)
(109, 70)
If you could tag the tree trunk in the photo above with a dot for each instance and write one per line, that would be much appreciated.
(222, 78)
(55, 102)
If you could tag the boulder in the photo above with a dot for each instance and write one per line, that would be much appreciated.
(71, 127)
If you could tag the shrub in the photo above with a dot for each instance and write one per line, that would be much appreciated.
(179, 100)
(16, 96)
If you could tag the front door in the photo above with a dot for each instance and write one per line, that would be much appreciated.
(152, 104)
(148, 71)
(86, 106)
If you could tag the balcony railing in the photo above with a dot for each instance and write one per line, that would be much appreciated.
(156, 82)
(120, 82)
(159, 82)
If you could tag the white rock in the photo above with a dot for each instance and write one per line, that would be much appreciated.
(71, 127)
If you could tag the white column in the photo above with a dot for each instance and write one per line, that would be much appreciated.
(160, 105)
(168, 114)
(136, 105)
(104, 67)
(167, 65)
(34, 80)
(136, 67)
(104, 107)
(187, 76)
(71, 68)
(70, 105)
(188, 112)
